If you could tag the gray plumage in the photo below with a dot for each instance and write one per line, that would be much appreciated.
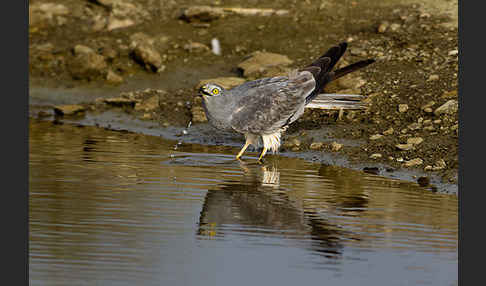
(262, 109)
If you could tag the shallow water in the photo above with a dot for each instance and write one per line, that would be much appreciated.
(118, 208)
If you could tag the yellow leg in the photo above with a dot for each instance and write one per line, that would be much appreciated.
(242, 150)
(262, 154)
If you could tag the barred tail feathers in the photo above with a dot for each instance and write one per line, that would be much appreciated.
(331, 101)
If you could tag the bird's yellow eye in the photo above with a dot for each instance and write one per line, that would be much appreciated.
(215, 91)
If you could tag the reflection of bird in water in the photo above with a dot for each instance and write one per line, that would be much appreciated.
(349, 194)
(258, 204)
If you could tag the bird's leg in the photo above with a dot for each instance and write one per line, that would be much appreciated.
(242, 150)
(262, 154)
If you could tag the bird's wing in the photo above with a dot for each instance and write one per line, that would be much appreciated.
(269, 105)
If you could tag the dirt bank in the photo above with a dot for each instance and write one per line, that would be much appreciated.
(129, 46)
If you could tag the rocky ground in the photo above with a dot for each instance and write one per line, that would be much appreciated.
(411, 91)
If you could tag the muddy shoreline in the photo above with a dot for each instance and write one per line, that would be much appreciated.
(155, 59)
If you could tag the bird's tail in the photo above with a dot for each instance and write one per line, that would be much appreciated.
(332, 101)
(321, 68)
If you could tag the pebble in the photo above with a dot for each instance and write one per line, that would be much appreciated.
(414, 162)
(439, 165)
(375, 156)
(402, 108)
(450, 107)
(316, 146)
(389, 131)
(113, 78)
(376, 137)
(394, 27)
(404, 147)
(414, 126)
(195, 47)
(449, 94)
(336, 146)
(296, 142)
(260, 63)
(81, 49)
(415, 140)
(383, 27)
(69, 109)
(453, 53)
(433, 77)
(428, 105)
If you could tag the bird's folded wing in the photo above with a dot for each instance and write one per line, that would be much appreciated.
(267, 107)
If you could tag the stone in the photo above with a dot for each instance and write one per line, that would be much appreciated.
(439, 165)
(452, 94)
(260, 64)
(316, 145)
(395, 26)
(433, 77)
(255, 11)
(402, 108)
(389, 131)
(115, 23)
(195, 47)
(207, 13)
(46, 48)
(201, 14)
(113, 78)
(146, 116)
(414, 162)
(383, 27)
(404, 147)
(295, 142)
(415, 140)
(46, 13)
(450, 107)
(453, 53)
(414, 126)
(225, 82)
(144, 51)
(88, 66)
(336, 146)
(150, 104)
(69, 109)
(376, 137)
(428, 105)
(375, 156)
(81, 49)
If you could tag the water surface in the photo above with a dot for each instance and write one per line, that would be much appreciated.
(118, 208)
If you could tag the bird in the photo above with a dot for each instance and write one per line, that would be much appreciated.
(263, 109)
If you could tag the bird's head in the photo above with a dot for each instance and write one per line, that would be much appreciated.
(210, 89)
